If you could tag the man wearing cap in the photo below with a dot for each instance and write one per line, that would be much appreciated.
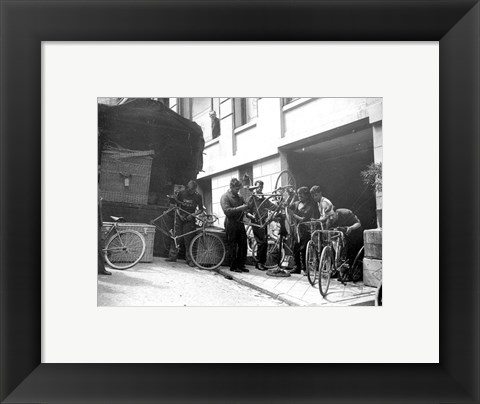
(233, 205)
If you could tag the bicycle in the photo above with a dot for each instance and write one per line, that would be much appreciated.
(333, 258)
(312, 251)
(275, 248)
(272, 207)
(207, 250)
(124, 248)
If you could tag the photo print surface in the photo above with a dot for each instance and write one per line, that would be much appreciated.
(239, 201)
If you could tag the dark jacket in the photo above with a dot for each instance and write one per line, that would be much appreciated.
(230, 204)
(308, 210)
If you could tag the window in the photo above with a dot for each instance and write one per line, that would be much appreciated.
(198, 110)
(200, 105)
(245, 109)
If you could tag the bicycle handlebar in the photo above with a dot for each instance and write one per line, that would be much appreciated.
(206, 218)
(330, 233)
(312, 224)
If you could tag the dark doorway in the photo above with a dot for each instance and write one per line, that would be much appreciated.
(335, 166)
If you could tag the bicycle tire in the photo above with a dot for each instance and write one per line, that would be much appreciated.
(275, 255)
(356, 272)
(285, 178)
(311, 262)
(276, 200)
(325, 270)
(124, 249)
(252, 246)
(207, 251)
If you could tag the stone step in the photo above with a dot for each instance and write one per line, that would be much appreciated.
(372, 240)
(372, 272)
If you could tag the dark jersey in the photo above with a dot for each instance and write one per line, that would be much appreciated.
(308, 210)
(346, 218)
(190, 202)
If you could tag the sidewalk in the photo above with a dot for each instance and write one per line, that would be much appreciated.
(295, 290)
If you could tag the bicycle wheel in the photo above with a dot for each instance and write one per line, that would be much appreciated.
(252, 246)
(207, 251)
(124, 249)
(268, 208)
(311, 261)
(251, 243)
(275, 254)
(356, 272)
(325, 270)
(284, 179)
(287, 243)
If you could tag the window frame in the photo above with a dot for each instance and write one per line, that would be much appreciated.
(240, 112)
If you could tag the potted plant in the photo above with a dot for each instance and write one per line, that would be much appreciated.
(372, 177)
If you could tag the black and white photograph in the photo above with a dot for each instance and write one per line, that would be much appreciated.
(240, 201)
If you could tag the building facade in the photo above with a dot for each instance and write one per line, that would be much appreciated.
(322, 141)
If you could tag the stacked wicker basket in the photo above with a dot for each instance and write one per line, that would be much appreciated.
(125, 175)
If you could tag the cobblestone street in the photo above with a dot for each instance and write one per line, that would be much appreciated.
(175, 284)
(162, 283)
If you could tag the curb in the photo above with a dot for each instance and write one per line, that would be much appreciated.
(290, 300)
(286, 298)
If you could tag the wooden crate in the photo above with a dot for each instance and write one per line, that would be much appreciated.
(146, 230)
(373, 243)
(372, 272)
(125, 177)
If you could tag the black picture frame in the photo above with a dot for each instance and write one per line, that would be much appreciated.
(24, 24)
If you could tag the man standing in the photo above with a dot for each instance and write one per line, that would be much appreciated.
(325, 207)
(260, 206)
(233, 205)
(215, 124)
(190, 201)
(303, 210)
(101, 263)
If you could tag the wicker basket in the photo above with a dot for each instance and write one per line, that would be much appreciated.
(146, 230)
(125, 177)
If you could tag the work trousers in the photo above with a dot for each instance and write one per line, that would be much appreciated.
(182, 227)
(236, 243)
(261, 238)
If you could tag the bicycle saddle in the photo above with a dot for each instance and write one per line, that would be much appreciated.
(117, 219)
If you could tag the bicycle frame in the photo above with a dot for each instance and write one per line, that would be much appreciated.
(112, 230)
(272, 213)
(176, 210)
(333, 238)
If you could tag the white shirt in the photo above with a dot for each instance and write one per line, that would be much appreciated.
(325, 207)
